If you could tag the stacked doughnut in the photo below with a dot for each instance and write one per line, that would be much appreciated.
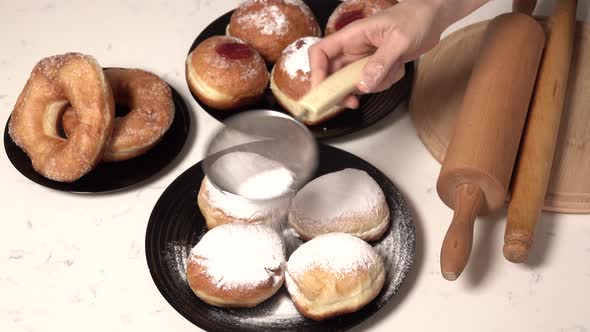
(334, 272)
(231, 72)
(75, 85)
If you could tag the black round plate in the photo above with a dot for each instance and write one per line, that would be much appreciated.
(373, 107)
(106, 177)
(176, 226)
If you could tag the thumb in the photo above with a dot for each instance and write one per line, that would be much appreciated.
(378, 68)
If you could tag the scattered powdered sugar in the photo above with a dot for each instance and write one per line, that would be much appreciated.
(396, 249)
(241, 208)
(251, 175)
(248, 67)
(269, 20)
(296, 58)
(217, 61)
(348, 192)
(297, 3)
(241, 255)
(268, 183)
(339, 253)
(248, 72)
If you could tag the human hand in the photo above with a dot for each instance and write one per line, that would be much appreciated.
(391, 38)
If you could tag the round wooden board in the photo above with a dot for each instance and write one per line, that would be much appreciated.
(439, 84)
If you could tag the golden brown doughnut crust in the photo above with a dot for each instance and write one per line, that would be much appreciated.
(55, 81)
(242, 81)
(322, 284)
(366, 7)
(270, 42)
(201, 284)
(215, 216)
(334, 274)
(151, 112)
(223, 276)
(286, 89)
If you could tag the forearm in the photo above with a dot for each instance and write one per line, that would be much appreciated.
(451, 11)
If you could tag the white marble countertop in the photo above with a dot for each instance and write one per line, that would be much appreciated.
(76, 263)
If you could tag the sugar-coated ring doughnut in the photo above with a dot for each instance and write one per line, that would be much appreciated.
(55, 82)
(151, 113)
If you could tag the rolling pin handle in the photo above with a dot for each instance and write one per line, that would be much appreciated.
(516, 250)
(456, 247)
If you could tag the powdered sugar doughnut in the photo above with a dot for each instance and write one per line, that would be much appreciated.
(348, 201)
(334, 274)
(291, 77)
(270, 25)
(55, 82)
(220, 208)
(237, 265)
(225, 73)
(151, 112)
(352, 10)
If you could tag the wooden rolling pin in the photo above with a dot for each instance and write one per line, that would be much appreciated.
(480, 158)
(524, 6)
(537, 148)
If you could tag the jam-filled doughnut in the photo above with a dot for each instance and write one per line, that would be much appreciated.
(151, 111)
(291, 77)
(270, 25)
(55, 82)
(225, 73)
(352, 10)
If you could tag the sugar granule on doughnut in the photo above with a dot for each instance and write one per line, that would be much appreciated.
(151, 112)
(352, 10)
(291, 78)
(270, 25)
(237, 265)
(334, 274)
(225, 73)
(348, 201)
(55, 82)
(220, 208)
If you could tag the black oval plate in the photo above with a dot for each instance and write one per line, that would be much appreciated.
(373, 107)
(107, 177)
(176, 226)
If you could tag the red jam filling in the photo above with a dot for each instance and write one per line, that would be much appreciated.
(234, 51)
(347, 18)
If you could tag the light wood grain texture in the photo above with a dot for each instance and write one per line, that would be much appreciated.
(524, 6)
(483, 150)
(537, 147)
(439, 84)
(318, 102)
(459, 238)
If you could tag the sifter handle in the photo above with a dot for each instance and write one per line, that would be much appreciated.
(318, 102)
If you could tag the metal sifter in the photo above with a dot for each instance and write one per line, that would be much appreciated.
(277, 137)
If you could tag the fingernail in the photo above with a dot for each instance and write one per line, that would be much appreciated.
(370, 77)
